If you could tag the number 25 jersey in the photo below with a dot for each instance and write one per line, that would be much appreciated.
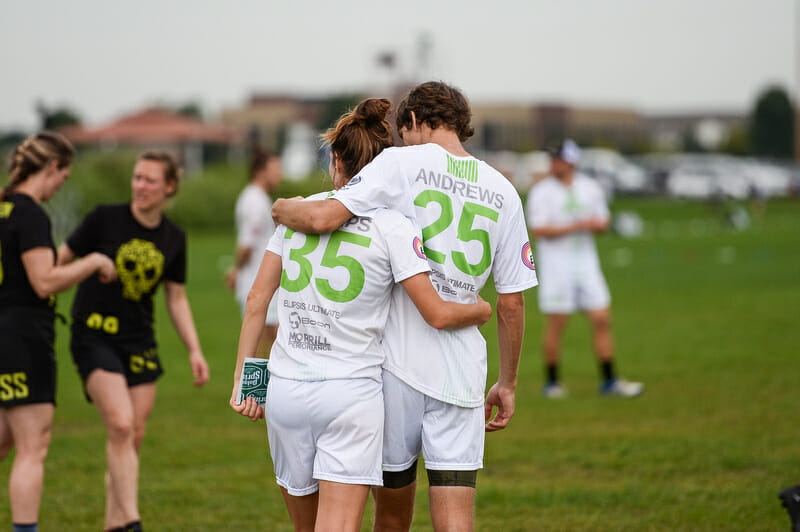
(472, 226)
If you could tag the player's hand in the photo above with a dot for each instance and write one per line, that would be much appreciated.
(106, 269)
(199, 368)
(486, 310)
(503, 399)
(596, 224)
(248, 408)
(229, 277)
(281, 206)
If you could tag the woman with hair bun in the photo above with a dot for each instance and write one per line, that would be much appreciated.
(29, 278)
(113, 344)
(324, 399)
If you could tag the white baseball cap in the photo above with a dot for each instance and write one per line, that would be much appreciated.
(567, 150)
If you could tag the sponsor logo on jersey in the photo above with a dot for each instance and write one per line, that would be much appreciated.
(418, 249)
(467, 169)
(309, 342)
(356, 180)
(296, 320)
(527, 256)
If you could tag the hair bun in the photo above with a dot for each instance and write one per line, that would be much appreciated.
(372, 110)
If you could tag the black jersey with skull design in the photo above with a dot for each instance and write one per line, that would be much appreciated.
(144, 257)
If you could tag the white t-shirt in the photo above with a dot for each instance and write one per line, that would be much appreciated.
(335, 292)
(551, 203)
(472, 226)
(254, 227)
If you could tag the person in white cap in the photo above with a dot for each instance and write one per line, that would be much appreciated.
(564, 211)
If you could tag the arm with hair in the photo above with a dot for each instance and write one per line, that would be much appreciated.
(255, 313)
(181, 314)
(47, 278)
(510, 329)
(315, 217)
(441, 314)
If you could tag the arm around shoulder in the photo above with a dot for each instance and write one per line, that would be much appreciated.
(441, 314)
(322, 216)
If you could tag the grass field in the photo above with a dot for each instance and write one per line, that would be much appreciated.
(706, 316)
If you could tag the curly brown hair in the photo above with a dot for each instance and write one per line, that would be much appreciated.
(436, 104)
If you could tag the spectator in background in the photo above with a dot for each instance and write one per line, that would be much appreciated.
(564, 211)
(254, 227)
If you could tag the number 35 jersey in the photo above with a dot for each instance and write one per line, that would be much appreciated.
(335, 292)
(472, 226)
(143, 256)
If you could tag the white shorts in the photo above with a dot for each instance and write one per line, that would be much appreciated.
(564, 292)
(272, 310)
(325, 430)
(450, 437)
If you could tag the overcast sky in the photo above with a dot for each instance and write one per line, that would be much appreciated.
(104, 58)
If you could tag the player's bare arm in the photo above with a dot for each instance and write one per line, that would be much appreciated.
(441, 314)
(315, 217)
(510, 328)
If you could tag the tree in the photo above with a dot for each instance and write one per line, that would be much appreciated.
(56, 117)
(772, 124)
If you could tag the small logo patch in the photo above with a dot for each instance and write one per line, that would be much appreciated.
(356, 180)
(527, 256)
(418, 249)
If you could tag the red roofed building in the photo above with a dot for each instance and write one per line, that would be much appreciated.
(159, 128)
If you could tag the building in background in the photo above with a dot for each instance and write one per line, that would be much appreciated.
(194, 140)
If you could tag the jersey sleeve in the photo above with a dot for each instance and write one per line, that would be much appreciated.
(404, 242)
(275, 244)
(513, 268)
(84, 238)
(176, 270)
(380, 184)
(249, 215)
(34, 230)
(536, 208)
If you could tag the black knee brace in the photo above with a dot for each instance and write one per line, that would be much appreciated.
(400, 479)
(452, 478)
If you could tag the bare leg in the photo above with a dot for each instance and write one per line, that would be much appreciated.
(143, 399)
(552, 337)
(601, 333)
(452, 508)
(6, 438)
(341, 506)
(109, 391)
(30, 426)
(302, 510)
(394, 508)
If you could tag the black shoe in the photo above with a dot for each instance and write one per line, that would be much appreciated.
(790, 499)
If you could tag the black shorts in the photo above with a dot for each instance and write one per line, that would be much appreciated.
(136, 359)
(27, 359)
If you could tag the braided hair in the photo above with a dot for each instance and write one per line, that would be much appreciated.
(34, 154)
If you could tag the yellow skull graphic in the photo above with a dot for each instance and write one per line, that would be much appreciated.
(139, 267)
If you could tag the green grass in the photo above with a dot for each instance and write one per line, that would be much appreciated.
(704, 315)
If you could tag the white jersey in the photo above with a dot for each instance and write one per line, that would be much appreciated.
(472, 226)
(254, 227)
(335, 292)
(551, 203)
